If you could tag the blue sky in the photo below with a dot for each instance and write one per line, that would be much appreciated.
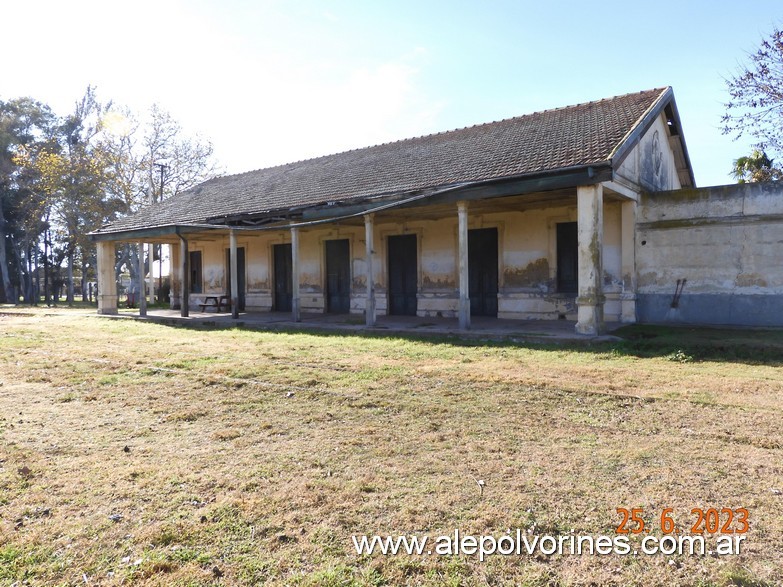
(276, 81)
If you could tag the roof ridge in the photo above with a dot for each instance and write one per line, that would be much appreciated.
(444, 132)
(549, 141)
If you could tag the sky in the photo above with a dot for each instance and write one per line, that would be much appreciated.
(271, 82)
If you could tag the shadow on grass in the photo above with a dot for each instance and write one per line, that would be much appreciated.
(680, 344)
(762, 346)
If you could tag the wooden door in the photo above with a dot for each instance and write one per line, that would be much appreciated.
(338, 276)
(284, 289)
(403, 274)
(567, 258)
(483, 271)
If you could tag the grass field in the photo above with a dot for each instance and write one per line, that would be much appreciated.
(139, 454)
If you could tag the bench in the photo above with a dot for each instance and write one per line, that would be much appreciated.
(216, 301)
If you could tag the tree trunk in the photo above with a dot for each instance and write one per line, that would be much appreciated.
(70, 290)
(47, 299)
(84, 278)
(4, 273)
(29, 297)
(37, 287)
(20, 261)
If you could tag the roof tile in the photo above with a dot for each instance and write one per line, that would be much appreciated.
(544, 141)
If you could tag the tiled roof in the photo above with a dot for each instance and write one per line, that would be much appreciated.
(547, 141)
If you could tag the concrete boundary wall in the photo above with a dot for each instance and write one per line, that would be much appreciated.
(724, 243)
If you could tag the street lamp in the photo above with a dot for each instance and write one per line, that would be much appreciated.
(162, 166)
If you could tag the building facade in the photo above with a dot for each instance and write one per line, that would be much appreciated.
(534, 217)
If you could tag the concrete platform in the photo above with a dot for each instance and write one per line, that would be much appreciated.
(481, 327)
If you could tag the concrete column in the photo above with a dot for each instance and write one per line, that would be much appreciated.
(142, 284)
(107, 281)
(151, 249)
(464, 296)
(369, 308)
(628, 252)
(184, 260)
(295, 300)
(232, 253)
(175, 269)
(590, 231)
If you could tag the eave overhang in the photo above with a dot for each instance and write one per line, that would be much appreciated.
(322, 214)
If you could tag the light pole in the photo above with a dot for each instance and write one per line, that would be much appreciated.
(162, 167)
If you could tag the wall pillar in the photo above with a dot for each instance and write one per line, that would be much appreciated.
(628, 252)
(369, 307)
(590, 231)
(142, 284)
(107, 280)
(232, 254)
(295, 299)
(184, 263)
(464, 296)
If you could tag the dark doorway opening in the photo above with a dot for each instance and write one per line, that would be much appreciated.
(240, 277)
(567, 258)
(284, 289)
(195, 271)
(338, 276)
(403, 274)
(483, 271)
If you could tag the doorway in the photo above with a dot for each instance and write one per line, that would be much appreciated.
(483, 271)
(567, 258)
(338, 276)
(403, 274)
(283, 276)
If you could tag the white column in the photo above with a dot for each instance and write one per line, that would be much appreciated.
(295, 275)
(142, 288)
(175, 277)
(628, 252)
(232, 253)
(107, 281)
(464, 296)
(184, 261)
(369, 307)
(151, 248)
(590, 230)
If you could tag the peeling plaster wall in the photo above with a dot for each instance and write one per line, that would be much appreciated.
(527, 259)
(726, 241)
(651, 163)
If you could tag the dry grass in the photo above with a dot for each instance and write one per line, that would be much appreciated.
(140, 454)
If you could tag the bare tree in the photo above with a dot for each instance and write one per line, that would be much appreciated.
(151, 161)
(756, 103)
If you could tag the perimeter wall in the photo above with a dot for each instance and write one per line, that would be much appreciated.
(725, 246)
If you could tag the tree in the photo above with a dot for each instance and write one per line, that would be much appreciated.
(26, 127)
(756, 97)
(151, 161)
(63, 177)
(755, 167)
(69, 173)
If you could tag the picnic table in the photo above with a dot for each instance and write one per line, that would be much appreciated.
(216, 301)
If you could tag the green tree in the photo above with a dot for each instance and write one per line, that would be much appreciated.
(755, 167)
(755, 107)
(26, 128)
